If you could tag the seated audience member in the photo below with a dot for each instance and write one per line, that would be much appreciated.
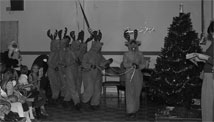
(8, 92)
(27, 90)
(36, 77)
(11, 57)
(11, 108)
(4, 108)
(6, 115)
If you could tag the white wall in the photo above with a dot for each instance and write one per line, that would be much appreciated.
(39, 16)
(111, 16)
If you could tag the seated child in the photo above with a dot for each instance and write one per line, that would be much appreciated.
(4, 108)
(27, 89)
(6, 113)
(35, 78)
(7, 85)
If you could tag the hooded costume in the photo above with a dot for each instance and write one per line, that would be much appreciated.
(63, 62)
(68, 68)
(75, 47)
(53, 69)
(133, 80)
(80, 48)
(69, 71)
(93, 62)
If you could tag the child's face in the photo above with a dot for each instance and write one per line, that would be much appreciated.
(35, 69)
(41, 72)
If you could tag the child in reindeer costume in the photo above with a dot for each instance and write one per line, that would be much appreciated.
(93, 63)
(53, 69)
(63, 46)
(75, 47)
(134, 80)
(80, 48)
(68, 68)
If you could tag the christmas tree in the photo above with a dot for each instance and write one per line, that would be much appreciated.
(176, 80)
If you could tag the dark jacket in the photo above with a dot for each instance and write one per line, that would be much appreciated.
(209, 64)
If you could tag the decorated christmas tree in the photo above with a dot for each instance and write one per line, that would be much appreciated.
(176, 80)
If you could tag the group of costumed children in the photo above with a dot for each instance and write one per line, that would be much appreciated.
(70, 65)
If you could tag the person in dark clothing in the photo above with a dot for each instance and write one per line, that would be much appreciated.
(11, 57)
(207, 94)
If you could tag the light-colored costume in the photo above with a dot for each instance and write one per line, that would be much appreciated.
(93, 62)
(75, 47)
(134, 79)
(80, 53)
(68, 69)
(53, 69)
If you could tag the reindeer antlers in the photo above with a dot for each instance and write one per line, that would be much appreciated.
(65, 33)
(126, 35)
(135, 34)
(99, 35)
(55, 34)
(60, 34)
(49, 34)
(81, 36)
(72, 34)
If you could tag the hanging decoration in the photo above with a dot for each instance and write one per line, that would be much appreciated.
(141, 30)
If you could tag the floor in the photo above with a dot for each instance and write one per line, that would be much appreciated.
(110, 111)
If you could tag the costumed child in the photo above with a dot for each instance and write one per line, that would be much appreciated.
(133, 80)
(82, 51)
(68, 68)
(75, 47)
(63, 46)
(93, 63)
(53, 68)
(79, 47)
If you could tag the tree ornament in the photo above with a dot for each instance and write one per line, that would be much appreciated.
(188, 77)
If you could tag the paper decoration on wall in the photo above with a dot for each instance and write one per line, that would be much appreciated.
(141, 30)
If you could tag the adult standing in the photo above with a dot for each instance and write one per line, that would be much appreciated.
(207, 95)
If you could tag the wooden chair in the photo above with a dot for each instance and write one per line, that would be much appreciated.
(122, 81)
(119, 84)
(112, 72)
